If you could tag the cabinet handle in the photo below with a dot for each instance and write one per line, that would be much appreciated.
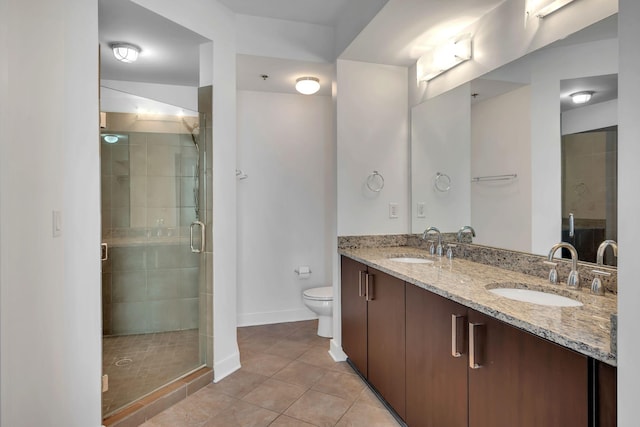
(368, 289)
(457, 335)
(476, 345)
(360, 294)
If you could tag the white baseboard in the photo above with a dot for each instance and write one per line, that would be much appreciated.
(226, 367)
(270, 317)
(335, 351)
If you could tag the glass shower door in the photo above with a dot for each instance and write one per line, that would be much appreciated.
(152, 278)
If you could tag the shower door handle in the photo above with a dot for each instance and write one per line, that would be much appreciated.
(104, 252)
(202, 234)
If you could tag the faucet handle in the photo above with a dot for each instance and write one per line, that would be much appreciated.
(553, 273)
(450, 250)
(596, 285)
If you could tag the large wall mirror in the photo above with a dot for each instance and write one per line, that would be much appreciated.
(497, 141)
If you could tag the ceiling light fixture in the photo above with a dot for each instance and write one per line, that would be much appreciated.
(125, 52)
(110, 139)
(308, 85)
(581, 97)
(444, 57)
(548, 7)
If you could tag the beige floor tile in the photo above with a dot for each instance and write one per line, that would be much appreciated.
(242, 414)
(301, 374)
(285, 421)
(318, 408)
(265, 364)
(361, 415)
(238, 384)
(319, 356)
(288, 348)
(346, 386)
(367, 397)
(274, 395)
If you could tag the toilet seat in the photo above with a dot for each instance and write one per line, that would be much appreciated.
(324, 293)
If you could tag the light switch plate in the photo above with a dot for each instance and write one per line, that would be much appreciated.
(56, 223)
(421, 210)
(393, 210)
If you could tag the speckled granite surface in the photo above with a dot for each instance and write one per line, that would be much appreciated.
(585, 329)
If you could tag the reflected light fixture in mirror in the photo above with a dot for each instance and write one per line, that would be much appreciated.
(541, 8)
(581, 97)
(308, 85)
(444, 57)
(125, 52)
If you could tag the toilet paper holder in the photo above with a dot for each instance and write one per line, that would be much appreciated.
(302, 270)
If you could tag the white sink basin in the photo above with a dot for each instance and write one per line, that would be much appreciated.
(536, 297)
(411, 260)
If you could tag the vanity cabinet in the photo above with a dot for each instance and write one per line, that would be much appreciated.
(373, 328)
(518, 379)
(436, 380)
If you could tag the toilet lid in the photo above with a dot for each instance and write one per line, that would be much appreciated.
(323, 293)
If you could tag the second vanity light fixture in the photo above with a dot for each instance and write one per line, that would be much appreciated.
(542, 8)
(444, 57)
(308, 85)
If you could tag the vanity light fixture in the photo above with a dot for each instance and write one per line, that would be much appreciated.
(308, 85)
(581, 97)
(548, 7)
(444, 57)
(125, 52)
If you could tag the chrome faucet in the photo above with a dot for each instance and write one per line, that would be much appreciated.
(573, 281)
(466, 228)
(425, 235)
(601, 249)
(596, 285)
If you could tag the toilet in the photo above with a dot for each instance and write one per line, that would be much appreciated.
(320, 301)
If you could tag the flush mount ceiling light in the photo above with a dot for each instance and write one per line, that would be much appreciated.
(581, 97)
(125, 52)
(544, 8)
(110, 139)
(308, 85)
(444, 57)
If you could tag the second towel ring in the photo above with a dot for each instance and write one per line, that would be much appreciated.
(375, 182)
(442, 182)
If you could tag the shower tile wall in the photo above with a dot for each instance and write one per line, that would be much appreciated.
(151, 280)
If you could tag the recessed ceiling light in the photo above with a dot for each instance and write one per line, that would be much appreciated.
(110, 139)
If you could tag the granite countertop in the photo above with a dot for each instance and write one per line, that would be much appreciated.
(585, 329)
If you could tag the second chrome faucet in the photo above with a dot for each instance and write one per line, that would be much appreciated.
(573, 281)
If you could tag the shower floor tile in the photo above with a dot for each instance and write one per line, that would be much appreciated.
(139, 364)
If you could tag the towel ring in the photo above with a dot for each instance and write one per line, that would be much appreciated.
(442, 182)
(375, 182)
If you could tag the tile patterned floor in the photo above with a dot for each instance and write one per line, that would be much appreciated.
(287, 379)
(139, 364)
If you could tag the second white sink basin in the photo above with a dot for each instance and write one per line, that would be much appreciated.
(536, 297)
(411, 260)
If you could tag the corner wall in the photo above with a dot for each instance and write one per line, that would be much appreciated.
(50, 348)
(284, 220)
(372, 135)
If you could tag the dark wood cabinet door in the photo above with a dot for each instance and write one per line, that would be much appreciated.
(523, 380)
(354, 314)
(607, 397)
(436, 380)
(386, 338)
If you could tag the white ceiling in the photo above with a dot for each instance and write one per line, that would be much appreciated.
(324, 12)
(405, 29)
(170, 52)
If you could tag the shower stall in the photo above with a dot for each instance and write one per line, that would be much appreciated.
(155, 257)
